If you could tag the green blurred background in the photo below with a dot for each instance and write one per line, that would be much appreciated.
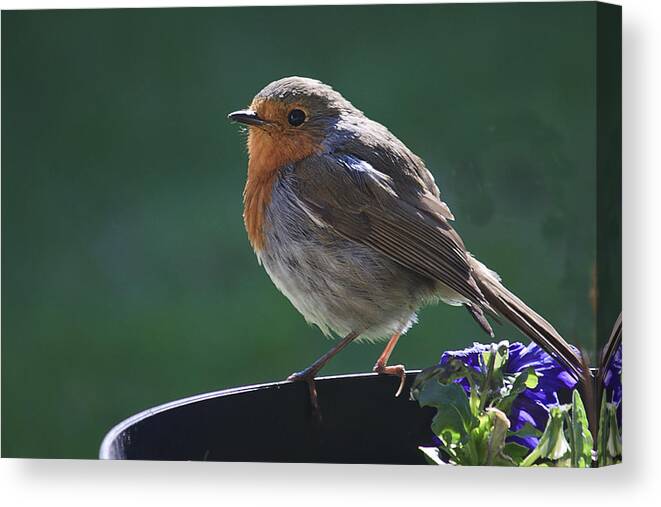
(127, 278)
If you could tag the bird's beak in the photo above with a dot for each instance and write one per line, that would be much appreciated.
(247, 116)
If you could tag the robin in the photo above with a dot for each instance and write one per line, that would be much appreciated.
(351, 228)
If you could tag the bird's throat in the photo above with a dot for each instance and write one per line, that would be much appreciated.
(268, 152)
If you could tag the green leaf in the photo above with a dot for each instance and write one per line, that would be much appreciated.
(501, 350)
(603, 457)
(527, 379)
(580, 436)
(552, 444)
(532, 380)
(454, 369)
(528, 430)
(453, 419)
(614, 443)
(516, 452)
(492, 362)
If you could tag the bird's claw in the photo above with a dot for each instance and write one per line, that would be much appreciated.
(308, 377)
(397, 370)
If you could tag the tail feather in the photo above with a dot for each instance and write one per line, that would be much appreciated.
(612, 344)
(528, 321)
(478, 314)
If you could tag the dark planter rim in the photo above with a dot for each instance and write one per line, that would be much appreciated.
(106, 449)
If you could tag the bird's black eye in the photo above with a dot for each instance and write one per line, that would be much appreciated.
(296, 117)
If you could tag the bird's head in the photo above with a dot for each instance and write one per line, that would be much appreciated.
(289, 120)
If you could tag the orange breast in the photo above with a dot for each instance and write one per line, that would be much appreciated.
(269, 153)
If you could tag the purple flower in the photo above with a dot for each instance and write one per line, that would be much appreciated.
(613, 382)
(532, 405)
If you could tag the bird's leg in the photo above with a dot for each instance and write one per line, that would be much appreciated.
(397, 370)
(311, 371)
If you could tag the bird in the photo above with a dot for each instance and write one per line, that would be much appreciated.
(350, 226)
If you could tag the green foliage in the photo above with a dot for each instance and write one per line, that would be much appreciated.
(527, 379)
(453, 425)
(553, 443)
(473, 428)
(609, 441)
(580, 437)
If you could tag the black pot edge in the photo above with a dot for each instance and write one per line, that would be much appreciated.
(105, 451)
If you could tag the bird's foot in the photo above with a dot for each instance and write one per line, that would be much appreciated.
(307, 376)
(398, 370)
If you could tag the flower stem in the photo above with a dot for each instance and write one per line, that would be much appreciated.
(531, 458)
(487, 378)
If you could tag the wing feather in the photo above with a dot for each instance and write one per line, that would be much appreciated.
(363, 204)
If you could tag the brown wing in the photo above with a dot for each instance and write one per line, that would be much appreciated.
(363, 204)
